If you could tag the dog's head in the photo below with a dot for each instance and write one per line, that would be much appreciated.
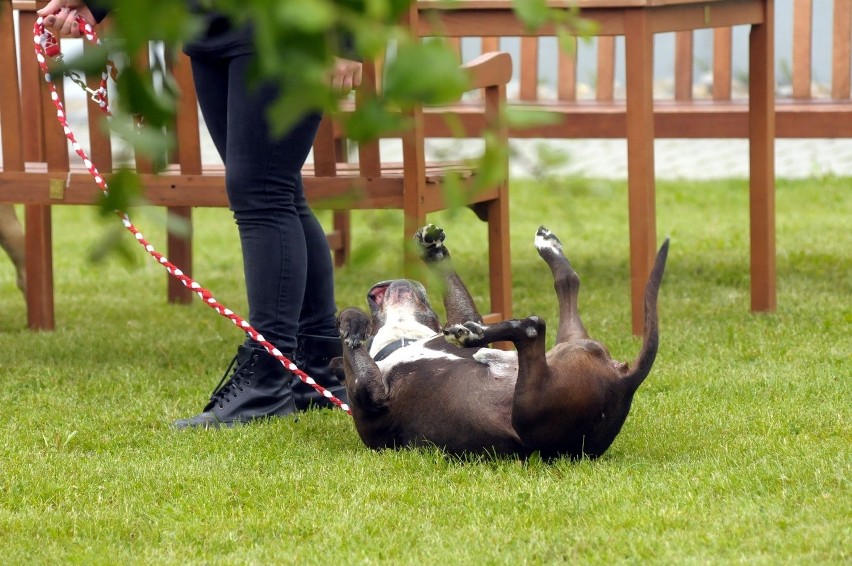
(401, 301)
(401, 309)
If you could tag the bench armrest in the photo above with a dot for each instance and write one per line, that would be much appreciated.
(489, 69)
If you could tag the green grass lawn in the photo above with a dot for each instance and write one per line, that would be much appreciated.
(737, 449)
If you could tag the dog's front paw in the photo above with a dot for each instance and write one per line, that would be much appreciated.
(354, 327)
(463, 335)
(430, 243)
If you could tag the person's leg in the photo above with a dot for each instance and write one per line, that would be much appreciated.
(257, 193)
(286, 260)
(317, 341)
(288, 267)
(318, 314)
(283, 246)
(211, 85)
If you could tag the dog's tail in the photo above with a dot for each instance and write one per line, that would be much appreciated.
(641, 366)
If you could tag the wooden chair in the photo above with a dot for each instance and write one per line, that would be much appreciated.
(37, 172)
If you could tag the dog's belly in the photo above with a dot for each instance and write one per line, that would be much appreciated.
(459, 400)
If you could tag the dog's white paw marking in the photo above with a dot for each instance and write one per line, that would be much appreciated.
(545, 240)
(353, 341)
(464, 334)
(431, 240)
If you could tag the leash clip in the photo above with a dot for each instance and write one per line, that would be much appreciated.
(97, 95)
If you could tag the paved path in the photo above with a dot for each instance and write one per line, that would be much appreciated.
(702, 159)
(674, 159)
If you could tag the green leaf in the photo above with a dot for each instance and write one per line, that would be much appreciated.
(426, 73)
(308, 15)
(519, 117)
(137, 22)
(533, 13)
(92, 60)
(372, 120)
(125, 191)
(138, 96)
(150, 142)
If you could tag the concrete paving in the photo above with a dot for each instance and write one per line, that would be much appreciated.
(701, 159)
(674, 158)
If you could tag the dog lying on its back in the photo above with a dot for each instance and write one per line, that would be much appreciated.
(411, 382)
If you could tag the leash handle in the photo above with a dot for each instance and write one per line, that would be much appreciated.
(51, 46)
(50, 42)
(46, 43)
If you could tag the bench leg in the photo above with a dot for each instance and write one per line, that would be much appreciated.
(639, 66)
(179, 246)
(762, 162)
(39, 267)
(499, 258)
(342, 222)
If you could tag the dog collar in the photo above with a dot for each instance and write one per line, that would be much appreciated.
(393, 347)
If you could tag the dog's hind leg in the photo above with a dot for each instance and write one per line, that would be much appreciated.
(12, 240)
(533, 405)
(567, 285)
(528, 336)
(457, 300)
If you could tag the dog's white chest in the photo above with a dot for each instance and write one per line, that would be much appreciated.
(414, 353)
(500, 364)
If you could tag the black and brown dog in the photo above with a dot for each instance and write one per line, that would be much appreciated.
(413, 383)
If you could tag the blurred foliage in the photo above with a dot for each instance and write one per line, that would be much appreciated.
(297, 42)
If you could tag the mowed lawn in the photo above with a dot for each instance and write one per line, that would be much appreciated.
(737, 449)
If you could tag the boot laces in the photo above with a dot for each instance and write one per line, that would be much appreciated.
(240, 377)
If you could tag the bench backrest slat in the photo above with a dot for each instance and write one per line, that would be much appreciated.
(528, 69)
(722, 61)
(567, 72)
(802, 36)
(683, 65)
(840, 83)
(100, 142)
(10, 97)
(369, 153)
(605, 91)
(55, 144)
(187, 126)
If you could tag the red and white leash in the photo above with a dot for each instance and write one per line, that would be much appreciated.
(47, 46)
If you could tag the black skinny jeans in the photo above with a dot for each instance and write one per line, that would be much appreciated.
(286, 258)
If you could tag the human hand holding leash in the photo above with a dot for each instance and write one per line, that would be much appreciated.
(60, 17)
(345, 75)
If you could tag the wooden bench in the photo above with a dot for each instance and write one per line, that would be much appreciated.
(37, 172)
(721, 113)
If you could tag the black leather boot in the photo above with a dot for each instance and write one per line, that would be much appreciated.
(313, 353)
(259, 387)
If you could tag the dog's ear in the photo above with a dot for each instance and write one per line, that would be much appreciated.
(335, 366)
